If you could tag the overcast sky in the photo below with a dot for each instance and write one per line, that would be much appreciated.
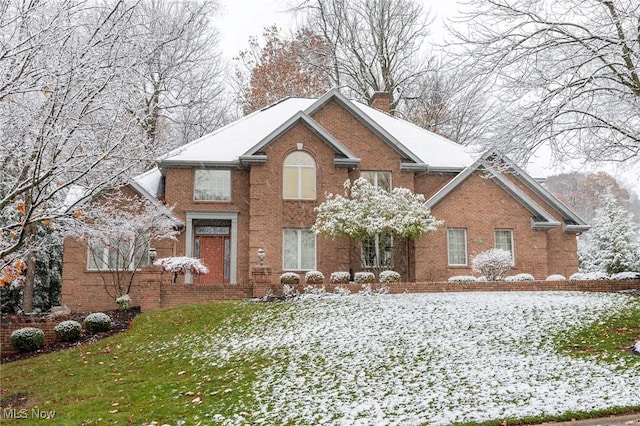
(241, 19)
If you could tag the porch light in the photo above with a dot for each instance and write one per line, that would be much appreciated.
(152, 254)
(262, 253)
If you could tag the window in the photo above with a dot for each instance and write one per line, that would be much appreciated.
(299, 177)
(118, 255)
(457, 246)
(504, 241)
(377, 252)
(212, 185)
(378, 179)
(299, 249)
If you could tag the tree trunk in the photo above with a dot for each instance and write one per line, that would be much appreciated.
(27, 303)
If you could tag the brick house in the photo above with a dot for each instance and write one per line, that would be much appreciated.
(255, 182)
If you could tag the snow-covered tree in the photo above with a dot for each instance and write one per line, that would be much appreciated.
(118, 230)
(366, 211)
(566, 70)
(181, 265)
(493, 264)
(613, 243)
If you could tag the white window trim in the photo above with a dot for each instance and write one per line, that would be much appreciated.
(299, 168)
(513, 246)
(299, 250)
(375, 177)
(466, 251)
(105, 260)
(225, 200)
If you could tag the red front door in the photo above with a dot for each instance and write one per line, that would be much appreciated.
(214, 252)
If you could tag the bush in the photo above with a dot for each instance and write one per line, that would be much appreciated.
(311, 289)
(520, 277)
(493, 263)
(27, 339)
(314, 277)
(97, 322)
(579, 276)
(341, 277)
(462, 279)
(389, 277)
(290, 278)
(626, 276)
(364, 277)
(342, 291)
(68, 331)
(556, 277)
(289, 292)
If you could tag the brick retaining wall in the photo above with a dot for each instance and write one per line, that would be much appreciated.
(45, 323)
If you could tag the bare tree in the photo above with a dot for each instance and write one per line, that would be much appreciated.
(567, 72)
(179, 72)
(375, 45)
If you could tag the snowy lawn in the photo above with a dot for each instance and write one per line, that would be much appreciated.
(416, 358)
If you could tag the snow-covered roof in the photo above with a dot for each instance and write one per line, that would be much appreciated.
(230, 144)
(151, 181)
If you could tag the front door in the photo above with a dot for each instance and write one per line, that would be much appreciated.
(212, 244)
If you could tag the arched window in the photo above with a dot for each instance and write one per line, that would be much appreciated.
(299, 177)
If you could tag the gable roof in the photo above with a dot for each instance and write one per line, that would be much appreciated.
(541, 219)
(240, 141)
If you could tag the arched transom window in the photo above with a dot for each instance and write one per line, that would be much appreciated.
(299, 177)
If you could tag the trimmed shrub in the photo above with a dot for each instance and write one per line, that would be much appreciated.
(27, 339)
(520, 277)
(312, 289)
(364, 277)
(626, 276)
(314, 277)
(97, 322)
(68, 331)
(389, 277)
(493, 263)
(579, 276)
(289, 278)
(556, 277)
(289, 291)
(462, 279)
(340, 277)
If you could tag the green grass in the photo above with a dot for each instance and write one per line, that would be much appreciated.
(141, 376)
(120, 381)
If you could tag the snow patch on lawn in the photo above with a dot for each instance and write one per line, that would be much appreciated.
(422, 358)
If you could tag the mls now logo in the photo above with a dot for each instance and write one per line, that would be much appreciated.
(23, 413)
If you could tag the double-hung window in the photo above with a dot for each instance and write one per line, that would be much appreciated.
(457, 246)
(118, 254)
(504, 241)
(299, 177)
(299, 250)
(212, 185)
(377, 252)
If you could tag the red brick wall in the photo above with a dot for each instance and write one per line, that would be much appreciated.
(45, 323)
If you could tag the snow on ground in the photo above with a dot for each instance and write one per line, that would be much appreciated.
(415, 358)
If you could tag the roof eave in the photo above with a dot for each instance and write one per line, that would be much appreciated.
(576, 229)
(348, 163)
(199, 164)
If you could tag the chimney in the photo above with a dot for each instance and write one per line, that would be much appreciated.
(381, 101)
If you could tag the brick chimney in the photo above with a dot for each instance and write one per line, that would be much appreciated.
(381, 101)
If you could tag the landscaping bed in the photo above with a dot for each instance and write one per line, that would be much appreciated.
(121, 321)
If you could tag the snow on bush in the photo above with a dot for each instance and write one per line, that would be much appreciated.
(462, 279)
(27, 339)
(340, 277)
(289, 278)
(556, 277)
(364, 277)
(342, 291)
(493, 263)
(182, 265)
(289, 291)
(315, 290)
(314, 277)
(520, 277)
(636, 347)
(626, 276)
(389, 277)
(581, 276)
(97, 322)
(123, 301)
(68, 331)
